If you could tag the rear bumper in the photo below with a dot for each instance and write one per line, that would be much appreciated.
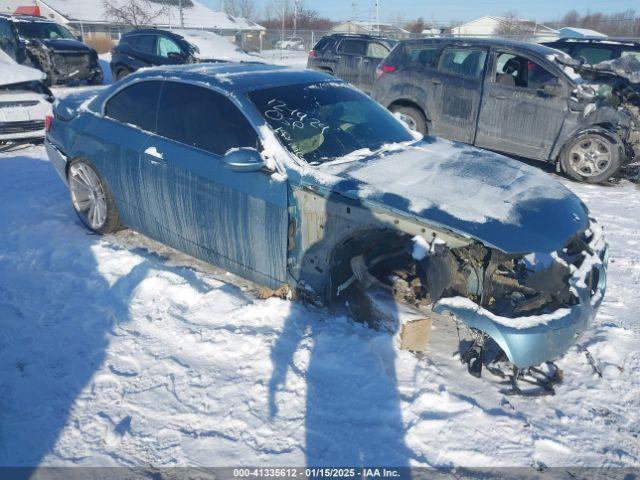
(57, 159)
(556, 332)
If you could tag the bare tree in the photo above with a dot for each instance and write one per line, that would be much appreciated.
(134, 13)
(241, 8)
(512, 27)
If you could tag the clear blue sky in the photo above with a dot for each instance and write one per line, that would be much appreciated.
(448, 10)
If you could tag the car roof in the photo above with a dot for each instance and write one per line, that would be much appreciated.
(25, 18)
(485, 42)
(238, 78)
(601, 41)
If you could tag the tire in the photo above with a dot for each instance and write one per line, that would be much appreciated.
(120, 74)
(592, 156)
(91, 198)
(413, 117)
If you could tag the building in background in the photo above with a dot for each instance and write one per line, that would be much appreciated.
(370, 28)
(89, 19)
(572, 32)
(491, 26)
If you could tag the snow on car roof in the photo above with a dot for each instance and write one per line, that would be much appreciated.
(14, 73)
(213, 46)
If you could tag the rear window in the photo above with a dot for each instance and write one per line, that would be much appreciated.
(594, 54)
(421, 56)
(136, 105)
(467, 62)
(323, 43)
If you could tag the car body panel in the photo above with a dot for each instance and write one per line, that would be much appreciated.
(294, 223)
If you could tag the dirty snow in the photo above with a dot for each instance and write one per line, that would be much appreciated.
(117, 351)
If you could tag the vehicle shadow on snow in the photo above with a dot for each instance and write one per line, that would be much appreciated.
(353, 414)
(57, 311)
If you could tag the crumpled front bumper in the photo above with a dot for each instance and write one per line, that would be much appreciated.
(548, 336)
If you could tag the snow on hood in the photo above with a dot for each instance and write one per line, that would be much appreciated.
(212, 46)
(627, 67)
(11, 72)
(501, 202)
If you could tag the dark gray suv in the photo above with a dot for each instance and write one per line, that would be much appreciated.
(513, 97)
(353, 58)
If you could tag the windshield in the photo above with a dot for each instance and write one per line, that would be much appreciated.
(319, 122)
(42, 30)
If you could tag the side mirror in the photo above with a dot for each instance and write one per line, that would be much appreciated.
(175, 56)
(243, 159)
(552, 89)
(79, 38)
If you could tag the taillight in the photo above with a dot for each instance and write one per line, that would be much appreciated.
(48, 120)
(384, 68)
(312, 53)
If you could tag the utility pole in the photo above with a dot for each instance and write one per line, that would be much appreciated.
(181, 13)
(295, 17)
(377, 18)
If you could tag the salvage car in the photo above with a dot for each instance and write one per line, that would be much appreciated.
(53, 49)
(295, 178)
(24, 102)
(596, 50)
(353, 58)
(148, 47)
(513, 97)
(291, 43)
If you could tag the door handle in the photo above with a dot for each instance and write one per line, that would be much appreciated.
(154, 156)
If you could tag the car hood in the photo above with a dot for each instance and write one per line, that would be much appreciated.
(65, 45)
(14, 73)
(503, 203)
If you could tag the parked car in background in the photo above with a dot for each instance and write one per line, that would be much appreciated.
(10, 42)
(519, 98)
(353, 58)
(294, 177)
(24, 102)
(153, 47)
(291, 43)
(52, 48)
(596, 50)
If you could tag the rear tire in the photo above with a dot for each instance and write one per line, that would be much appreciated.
(592, 156)
(412, 117)
(91, 198)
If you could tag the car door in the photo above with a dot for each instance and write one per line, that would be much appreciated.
(521, 113)
(116, 139)
(143, 48)
(236, 220)
(168, 51)
(348, 58)
(376, 52)
(8, 40)
(457, 90)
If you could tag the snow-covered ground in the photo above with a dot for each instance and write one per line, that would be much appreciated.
(117, 351)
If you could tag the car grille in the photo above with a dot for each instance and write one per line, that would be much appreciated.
(19, 103)
(72, 64)
(21, 127)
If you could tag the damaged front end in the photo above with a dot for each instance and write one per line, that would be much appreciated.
(65, 65)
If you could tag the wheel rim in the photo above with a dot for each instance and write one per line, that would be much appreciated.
(591, 156)
(409, 120)
(87, 195)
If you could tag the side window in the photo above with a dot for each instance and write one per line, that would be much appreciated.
(467, 62)
(593, 54)
(515, 71)
(6, 34)
(422, 56)
(136, 105)
(353, 47)
(377, 50)
(143, 43)
(631, 53)
(166, 46)
(202, 118)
